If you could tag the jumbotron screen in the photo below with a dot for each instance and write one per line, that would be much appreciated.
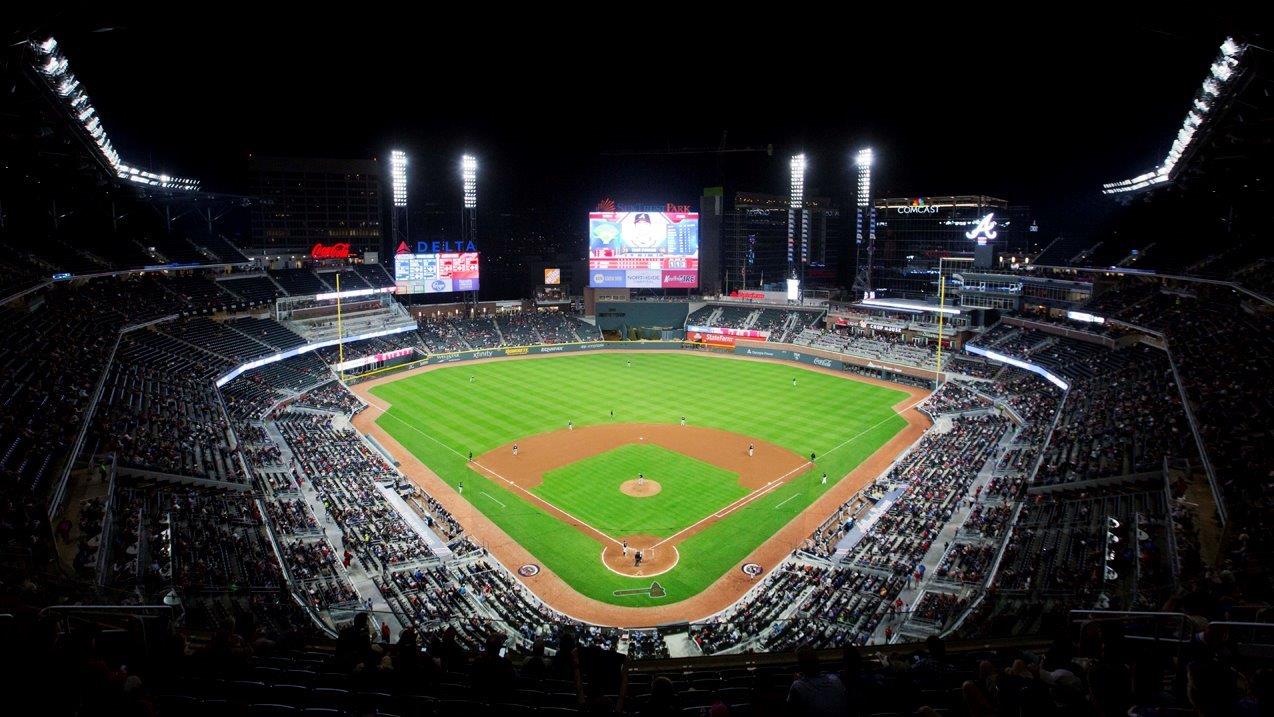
(643, 250)
(436, 273)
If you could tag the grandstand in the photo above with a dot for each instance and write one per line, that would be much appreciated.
(186, 492)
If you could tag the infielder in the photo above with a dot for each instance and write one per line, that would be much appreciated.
(515, 449)
(751, 450)
(625, 546)
(824, 478)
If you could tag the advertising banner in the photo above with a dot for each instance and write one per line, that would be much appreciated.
(679, 279)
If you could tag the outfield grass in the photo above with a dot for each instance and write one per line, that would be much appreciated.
(441, 415)
(691, 489)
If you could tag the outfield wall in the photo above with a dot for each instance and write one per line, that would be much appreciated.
(758, 349)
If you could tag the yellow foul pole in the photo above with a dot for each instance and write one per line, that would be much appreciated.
(942, 300)
(340, 333)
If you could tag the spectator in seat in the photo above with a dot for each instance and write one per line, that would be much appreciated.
(663, 700)
(492, 674)
(814, 692)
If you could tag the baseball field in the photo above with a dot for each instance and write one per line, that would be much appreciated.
(618, 453)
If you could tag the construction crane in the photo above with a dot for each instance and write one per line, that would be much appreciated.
(719, 149)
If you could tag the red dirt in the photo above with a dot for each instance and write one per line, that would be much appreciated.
(727, 589)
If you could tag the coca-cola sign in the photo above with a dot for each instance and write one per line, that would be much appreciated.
(340, 250)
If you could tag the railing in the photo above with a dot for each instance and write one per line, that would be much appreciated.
(108, 527)
(1213, 484)
(59, 491)
(1175, 628)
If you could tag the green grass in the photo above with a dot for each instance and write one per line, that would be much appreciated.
(691, 489)
(441, 415)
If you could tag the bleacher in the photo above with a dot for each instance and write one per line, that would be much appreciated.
(258, 289)
(300, 282)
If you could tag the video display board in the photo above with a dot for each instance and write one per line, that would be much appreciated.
(643, 250)
(436, 273)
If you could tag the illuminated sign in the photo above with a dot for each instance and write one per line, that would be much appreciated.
(436, 273)
(985, 230)
(1085, 317)
(354, 293)
(643, 249)
(918, 206)
(445, 247)
(330, 251)
(793, 289)
(553, 276)
(374, 358)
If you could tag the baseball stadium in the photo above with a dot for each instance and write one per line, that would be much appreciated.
(345, 437)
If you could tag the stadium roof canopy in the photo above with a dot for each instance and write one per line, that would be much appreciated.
(1225, 136)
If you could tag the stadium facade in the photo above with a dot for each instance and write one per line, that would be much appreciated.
(307, 202)
(913, 233)
(754, 241)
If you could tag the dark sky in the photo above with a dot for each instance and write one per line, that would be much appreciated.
(1039, 112)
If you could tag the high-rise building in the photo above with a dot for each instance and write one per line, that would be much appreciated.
(912, 233)
(306, 202)
(754, 240)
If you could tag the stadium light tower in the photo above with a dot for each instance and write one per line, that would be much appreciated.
(864, 222)
(469, 215)
(469, 218)
(398, 219)
(795, 207)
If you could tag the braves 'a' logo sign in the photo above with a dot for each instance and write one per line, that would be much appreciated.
(985, 230)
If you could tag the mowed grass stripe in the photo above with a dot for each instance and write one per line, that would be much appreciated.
(590, 490)
(511, 399)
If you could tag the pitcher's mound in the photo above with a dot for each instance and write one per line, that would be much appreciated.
(636, 490)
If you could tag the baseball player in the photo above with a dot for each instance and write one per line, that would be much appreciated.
(625, 546)
(751, 450)
(683, 420)
(460, 488)
(570, 426)
(824, 477)
(637, 560)
(793, 382)
(515, 449)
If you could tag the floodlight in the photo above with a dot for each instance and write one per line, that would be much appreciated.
(469, 173)
(797, 164)
(398, 176)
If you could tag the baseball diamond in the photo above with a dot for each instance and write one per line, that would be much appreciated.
(568, 496)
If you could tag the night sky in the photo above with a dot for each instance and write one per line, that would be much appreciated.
(1038, 113)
